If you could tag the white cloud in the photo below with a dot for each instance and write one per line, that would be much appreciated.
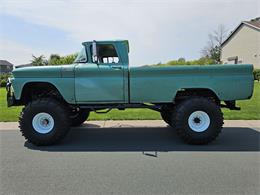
(157, 30)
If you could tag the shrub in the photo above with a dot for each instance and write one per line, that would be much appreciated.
(55, 59)
(3, 83)
(182, 61)
(4, 76)
(256, 73)
(3, 79)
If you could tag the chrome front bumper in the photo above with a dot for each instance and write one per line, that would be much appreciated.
(9, 95)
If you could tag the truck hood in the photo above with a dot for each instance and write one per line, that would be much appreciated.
(43, 71)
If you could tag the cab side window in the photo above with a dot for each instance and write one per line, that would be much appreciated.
(107, 54)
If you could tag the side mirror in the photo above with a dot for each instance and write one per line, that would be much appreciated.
(94, 52)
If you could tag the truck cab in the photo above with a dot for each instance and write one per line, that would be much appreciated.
(101, 72)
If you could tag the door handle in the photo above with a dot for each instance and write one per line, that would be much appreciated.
(116, 67)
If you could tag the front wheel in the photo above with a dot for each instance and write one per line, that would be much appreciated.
(79, 117)
(197, 120)
(44, 122)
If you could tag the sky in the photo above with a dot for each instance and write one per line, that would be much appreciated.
(157, 30)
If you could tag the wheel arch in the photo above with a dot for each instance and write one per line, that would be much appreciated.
(185, 93)
(39, 87)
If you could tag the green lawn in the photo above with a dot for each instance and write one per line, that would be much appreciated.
(250, 110)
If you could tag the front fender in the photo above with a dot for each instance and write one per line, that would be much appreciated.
(65, 86)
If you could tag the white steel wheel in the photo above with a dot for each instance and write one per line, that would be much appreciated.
(43, 123)
(199, 121)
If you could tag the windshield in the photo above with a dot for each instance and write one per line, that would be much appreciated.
(82, 57)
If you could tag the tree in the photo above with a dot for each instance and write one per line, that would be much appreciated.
(213, 48)
(68, 59)
(56, 59)
(39, 61)
(182, 60)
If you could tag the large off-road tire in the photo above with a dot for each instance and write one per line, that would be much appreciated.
(197, 120)
(79, 117)
(166, 114)
(44, 122)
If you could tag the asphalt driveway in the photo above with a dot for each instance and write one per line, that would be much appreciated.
(131, 157)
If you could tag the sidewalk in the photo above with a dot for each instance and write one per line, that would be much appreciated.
(138, 123)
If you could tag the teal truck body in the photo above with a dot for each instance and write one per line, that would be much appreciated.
(92, 83)
(101, 78)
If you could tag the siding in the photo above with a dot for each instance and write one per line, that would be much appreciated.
(5, 69)
(245, 44)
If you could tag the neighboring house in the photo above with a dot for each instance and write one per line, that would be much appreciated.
(23, 65)
(5, 67)
(243, 44)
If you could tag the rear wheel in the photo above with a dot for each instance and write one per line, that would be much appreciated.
(44, 122)
(166, 113)
(197, 120)
(79, 117)
(166, 116)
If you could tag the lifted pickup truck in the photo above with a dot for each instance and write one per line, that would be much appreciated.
(189, 98)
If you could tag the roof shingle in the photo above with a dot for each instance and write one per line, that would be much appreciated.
(5, 63)
(254, 23)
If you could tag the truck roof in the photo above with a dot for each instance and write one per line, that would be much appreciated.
(106, 41)
(109, 41)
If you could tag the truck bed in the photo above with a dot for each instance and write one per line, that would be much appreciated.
(160, 84)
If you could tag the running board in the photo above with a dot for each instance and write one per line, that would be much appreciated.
(119, 106)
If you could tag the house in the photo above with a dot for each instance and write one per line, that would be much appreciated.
(242, 46)
(23, 65)
(5, 67)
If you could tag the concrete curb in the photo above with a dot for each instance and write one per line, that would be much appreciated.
(138, 123)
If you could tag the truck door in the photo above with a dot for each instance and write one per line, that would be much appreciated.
(101, 80)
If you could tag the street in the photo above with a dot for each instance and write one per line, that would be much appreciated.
(145, 157)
